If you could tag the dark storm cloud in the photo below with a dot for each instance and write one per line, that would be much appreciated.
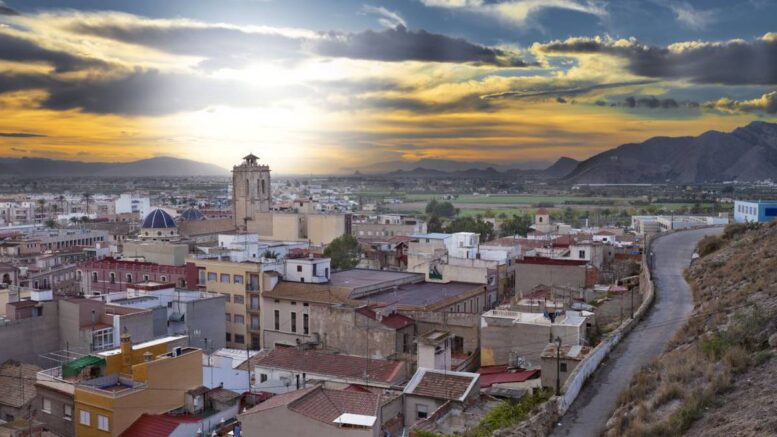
(5, 10)
(549, 90)
(650, 102)
(142, 92)
(735, 62)
(20, 135)
(17, 49)
(401, 44)
(230, 46)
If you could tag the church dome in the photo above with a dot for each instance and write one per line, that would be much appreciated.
(192, 214)
(158, 219)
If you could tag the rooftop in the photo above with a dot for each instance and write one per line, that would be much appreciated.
(439, 384)
(422, 294)
(163, 425)
(338, 366)
(14, 392)
(432, 236)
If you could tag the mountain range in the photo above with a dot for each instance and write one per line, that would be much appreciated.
(443, 165)
(747, 153)
(153, 167)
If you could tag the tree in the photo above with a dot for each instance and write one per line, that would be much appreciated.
(469, 224)
(269, 254)
(441, 209)
(51, 223)
(516, 225)
(434, 224)
(87, 197)
(344, 252)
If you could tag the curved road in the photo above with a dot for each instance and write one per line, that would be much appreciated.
(673, 303)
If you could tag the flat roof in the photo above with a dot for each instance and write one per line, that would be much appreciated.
(355, 419)
(432, 236)
(357, 278)
(143, 345)
(420, 294)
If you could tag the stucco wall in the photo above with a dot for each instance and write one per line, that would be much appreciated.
(24, 340)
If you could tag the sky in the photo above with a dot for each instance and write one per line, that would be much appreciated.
(324, 86)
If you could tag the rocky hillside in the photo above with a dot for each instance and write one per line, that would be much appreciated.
(719, 374)
(748, 153)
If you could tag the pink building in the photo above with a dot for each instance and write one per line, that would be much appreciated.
(111, 275)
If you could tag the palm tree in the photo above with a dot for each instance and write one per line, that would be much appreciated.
(87, 197)
(42, 205)
(61, 200)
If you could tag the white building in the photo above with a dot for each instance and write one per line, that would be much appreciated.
(755, 211)
(311, 270)
(463, 245)
(131, 203)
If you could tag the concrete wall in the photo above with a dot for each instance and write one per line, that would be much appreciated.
(168, 254)
(528, 276)
(323, 228)
(210, 226)
(203, 320)
(499, 337)
(412, 404)
(139, 325)
(54, 420)
(466, 326)
(24, 340)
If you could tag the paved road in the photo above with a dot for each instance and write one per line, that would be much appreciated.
(593, 407)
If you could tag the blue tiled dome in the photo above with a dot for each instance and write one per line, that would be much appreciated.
(158, 219)
(192, 214)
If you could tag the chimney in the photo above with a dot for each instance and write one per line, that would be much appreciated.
(148, 357)
(126, 352)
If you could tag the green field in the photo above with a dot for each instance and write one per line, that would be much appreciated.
(519, 199)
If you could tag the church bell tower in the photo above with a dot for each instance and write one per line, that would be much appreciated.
(251, 192)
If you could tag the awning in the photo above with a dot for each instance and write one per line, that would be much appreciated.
(74, 367)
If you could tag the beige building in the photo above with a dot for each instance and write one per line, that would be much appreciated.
(158, 252)
(242, 285)
(560, 361)
(431, 389)
(251, 190)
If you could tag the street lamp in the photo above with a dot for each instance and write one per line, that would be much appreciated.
(558, 366)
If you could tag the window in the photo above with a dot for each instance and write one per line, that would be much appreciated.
(277, 320)
(113, 278)
(163, 278)
(46, 408)
(421, 411)
(225, 278)
(229, 337)
(305, 324)
(85, 418)
(201, 277)
(212, 276)
(129, 278)
(94, 276)
(68, 412)
(102, 423)
(239, 319)
(102, 339)
(293, 322)
(227, 297)
(145, 277)
(563, 367)
(581, 254)
(299, 268)
(239, 299)
(239, 339)
(263, 377)
(238, 279)
(228, 317)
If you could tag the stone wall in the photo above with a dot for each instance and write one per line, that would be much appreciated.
(26, 339)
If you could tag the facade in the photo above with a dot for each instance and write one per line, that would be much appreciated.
(251, 190)
(17, 389)
(241, 285)
(560, 361)
(110, 275)
(128, 203)
(758, 211)
(134, 380)
(533, 271)
(507, 337)
(430, 389)
(158, 225)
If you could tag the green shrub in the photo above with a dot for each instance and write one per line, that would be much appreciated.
(709, 244)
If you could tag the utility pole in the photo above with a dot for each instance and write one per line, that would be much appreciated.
(632, 302)
(558, 366)
(248, 356)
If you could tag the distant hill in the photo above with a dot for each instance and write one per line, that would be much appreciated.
(561, 168)
(442, 165)
(152, 167)
(747, 154)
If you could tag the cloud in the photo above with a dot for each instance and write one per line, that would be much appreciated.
(767, 103)
(17, 49)
(519, 11)
(401, 44)
(551, 90)
(226, 45)
(735, 62)
(696, 19)
(144, 92)
(388, 19)
(5, 10)
(20, 135)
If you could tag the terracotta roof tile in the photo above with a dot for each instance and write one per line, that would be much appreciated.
(339, 366)
(12, 393)
(442, 386)
(327, 405)
(149, 425)
(393, 320)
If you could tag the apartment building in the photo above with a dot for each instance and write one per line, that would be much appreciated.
(110, 275)
(241, 284)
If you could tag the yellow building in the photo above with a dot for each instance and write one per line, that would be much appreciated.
(242, 285)
(116, 387)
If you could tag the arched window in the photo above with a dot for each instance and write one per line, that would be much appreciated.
(129, 278)
(94, 276)
(264, 189)
(113, 278)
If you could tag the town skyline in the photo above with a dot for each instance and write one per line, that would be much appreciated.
(353, 83)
